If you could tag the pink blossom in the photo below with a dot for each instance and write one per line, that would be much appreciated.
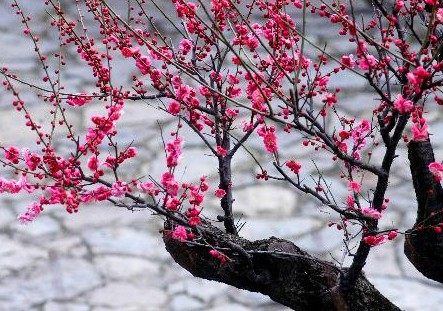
(204, 91)
(93, 163)
(176, 81)
(216, 254)
(110, 161)
(170, 184)
(323, 81)
(172, 203)
(203, 185)
(184, 92)
(180, 234)
(298, 4)
(23, 184)
(354, 186)
(174, 150)
(247, 126)
(33, 210)
(293, 166)
(185, 46)
(219, 193)
(174, 108)
(430, 2)
(144, 64)
(78, 100)
(270, 141)
(252, 42)
(129, 52)
(148, 187)
(373, 240)
(9, 186)
(131, 152)
(196, 198)
(194, 221)
(420, 133)
(348, 61)
(343, 147)
(119, 189)
(403, 105)
(12, 154)
(417, 77)
(368, 61)
(232, 113)
(399, 4)
(269, 138)
(359, 134)
(222, 151)
(412, 78)
(258, 98)
(32, 160)
(371, 213)
(350, 201)
(437, 170)
(439, 16)
(330, 99)
(102, 193)
(392, 235)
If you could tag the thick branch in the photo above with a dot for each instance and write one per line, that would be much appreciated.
(423, 245)
(276, 268)
(427, 190)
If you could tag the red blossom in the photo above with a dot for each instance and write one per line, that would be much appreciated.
(174, 151)
(354, 186)
(373, 240)
(144, 64)
(180, 234)
(32, 211)
(12, 154)
(293, 166)
(371, 213)
(220, 193)
(174, 108)
(222, 151)
(130, 52)
(403, 105)
(171, 185)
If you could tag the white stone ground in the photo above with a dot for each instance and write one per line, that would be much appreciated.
(105, 258)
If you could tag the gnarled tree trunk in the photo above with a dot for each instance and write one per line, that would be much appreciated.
(423, 245)
(276, 268)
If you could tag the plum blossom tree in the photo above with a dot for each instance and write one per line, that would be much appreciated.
(239, 69)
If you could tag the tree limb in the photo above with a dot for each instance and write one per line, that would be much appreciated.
(277, 268)
(423, 245)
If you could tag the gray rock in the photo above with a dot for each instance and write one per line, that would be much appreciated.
(247, 298)
(124, 241)
(230, 307)
(17, 256)
(262, 228)
(408, 294)
(121, 295)
(125, 268)
(65, 306)
(265, 200)
(43, 226)
(56, 279)
(185, 303)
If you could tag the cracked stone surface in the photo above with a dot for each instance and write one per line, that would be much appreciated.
(108, 259)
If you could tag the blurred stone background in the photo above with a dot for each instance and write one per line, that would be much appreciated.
(105, 258)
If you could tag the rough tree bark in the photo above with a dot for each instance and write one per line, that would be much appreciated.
(423, 245)
(276, 268)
